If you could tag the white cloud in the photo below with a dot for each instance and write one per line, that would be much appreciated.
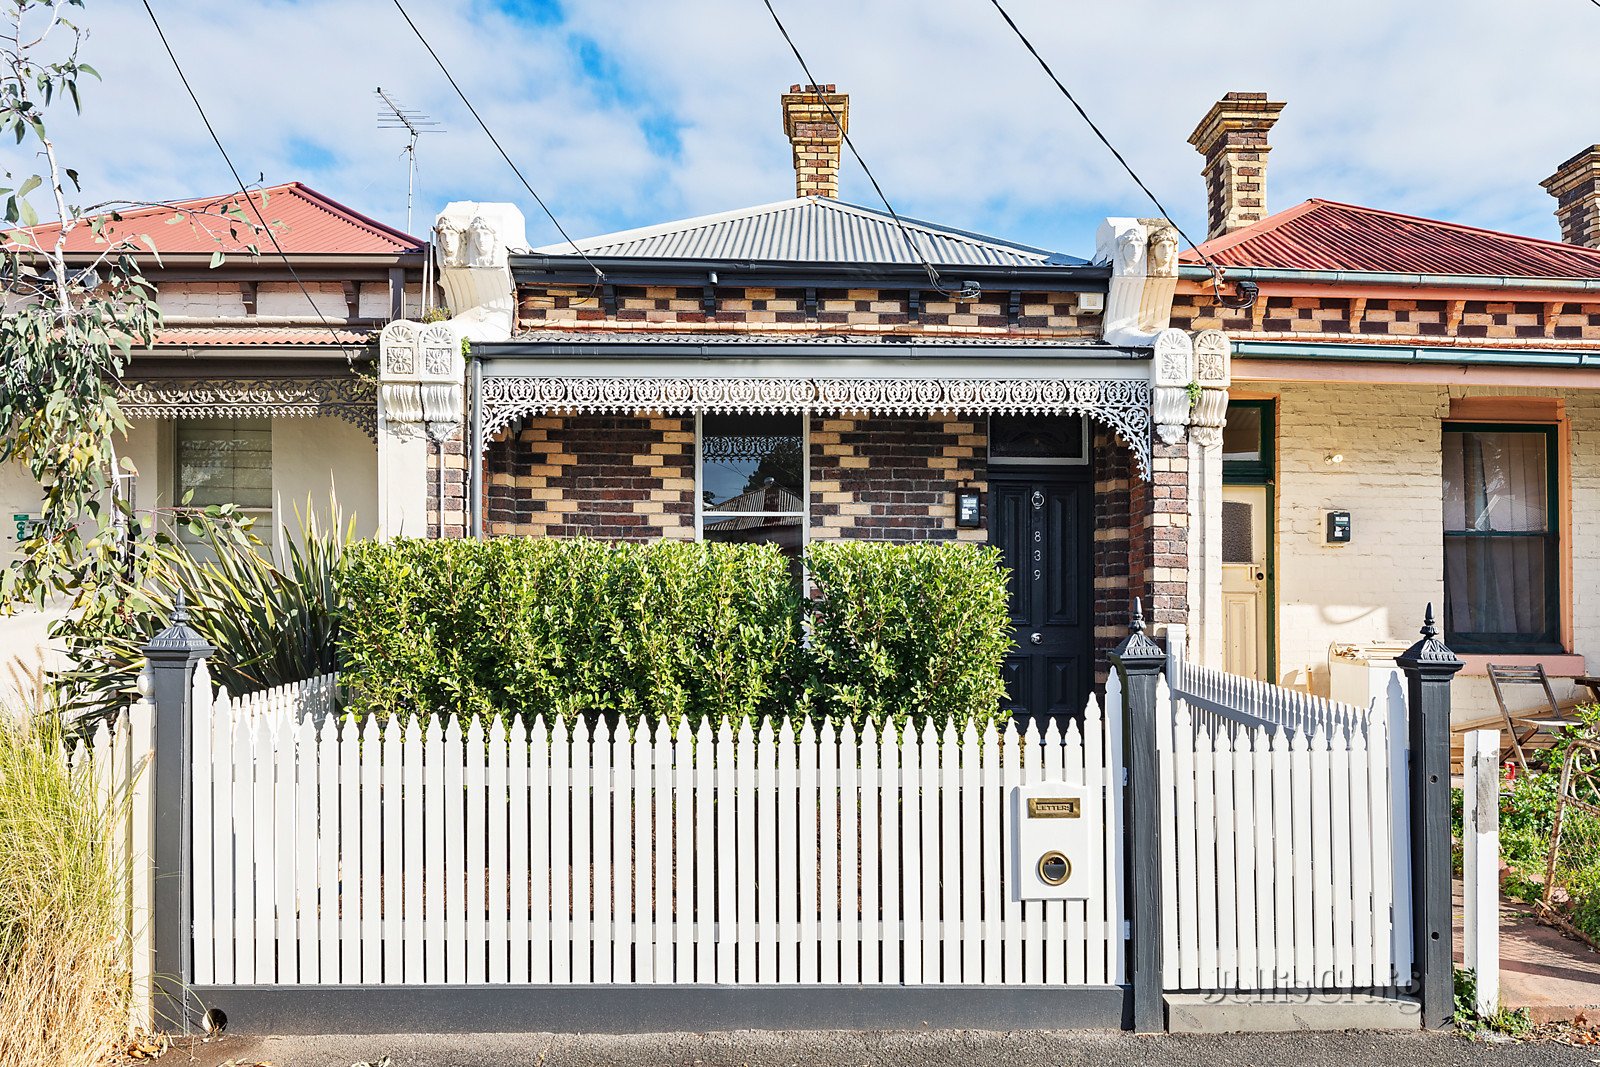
(1449, 108)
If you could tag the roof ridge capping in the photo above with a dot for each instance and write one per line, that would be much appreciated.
(812, 229)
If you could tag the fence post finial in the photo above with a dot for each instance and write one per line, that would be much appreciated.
(1429, 666)
(1138, 662)
(171, 657)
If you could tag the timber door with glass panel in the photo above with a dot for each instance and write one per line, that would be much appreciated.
(1247, 540)
(225, 461)
(1041, 517)
(1244, 580)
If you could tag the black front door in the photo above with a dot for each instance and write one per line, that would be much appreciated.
(1044, 529)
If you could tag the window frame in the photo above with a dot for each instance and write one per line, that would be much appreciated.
(1549, 642)
(1255, 471)
(700, 510)
(265, 516)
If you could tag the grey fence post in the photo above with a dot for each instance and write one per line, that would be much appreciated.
(1139, 662)
(171, 658)
(1429, 666)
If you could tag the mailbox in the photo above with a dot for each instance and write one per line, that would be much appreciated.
(1056, 826)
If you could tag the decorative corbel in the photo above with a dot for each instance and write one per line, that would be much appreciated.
(708, 300)
(811, 304)
(1358, 311)
(1552, 316)
(1454, 309)
(608, 299)
(1258, 313)
(1213, 373)
(914, 305)
(352, 299)
(1013, 308)
(1173, 373)
(249, 291)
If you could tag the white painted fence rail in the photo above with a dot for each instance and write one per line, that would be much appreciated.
(1285, 851)
(117, 753)
(315, 697)
(1218, 698)
(412, 852)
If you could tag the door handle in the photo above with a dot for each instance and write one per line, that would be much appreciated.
(1036, 637)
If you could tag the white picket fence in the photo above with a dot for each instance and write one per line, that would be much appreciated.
(411, 852)
(1217, 698)
(1285, 847)
(117, 754)
(317, 697)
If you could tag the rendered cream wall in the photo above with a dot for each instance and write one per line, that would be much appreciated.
(325, 459)
(1375, 588)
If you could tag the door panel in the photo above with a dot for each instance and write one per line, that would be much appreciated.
(1042, 528)
(1244, 580)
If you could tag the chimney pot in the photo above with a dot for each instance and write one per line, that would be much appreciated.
(815, 119)
(1576, 187)
(1233, 139)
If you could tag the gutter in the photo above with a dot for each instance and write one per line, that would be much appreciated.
(1198, 272)
(1415, 354)
(534, 268)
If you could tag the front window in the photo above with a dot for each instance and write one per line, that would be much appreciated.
(753, 479)
(225, 461)
(1501, 561)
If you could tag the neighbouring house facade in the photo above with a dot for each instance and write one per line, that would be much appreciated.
(1414, 417)
(811, 369)
(258, 389)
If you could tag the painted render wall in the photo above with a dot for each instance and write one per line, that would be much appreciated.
(1374, 588)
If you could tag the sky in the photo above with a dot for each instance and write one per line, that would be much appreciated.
(630, 112)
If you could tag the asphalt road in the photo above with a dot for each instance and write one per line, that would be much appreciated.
(938, 1048)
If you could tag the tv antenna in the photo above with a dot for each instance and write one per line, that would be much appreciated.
(391, 116)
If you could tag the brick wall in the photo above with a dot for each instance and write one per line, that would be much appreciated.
(1113, 560)
(894, 479)
(617, 477)
(1472, 322)
(455, 488)
(735, 309)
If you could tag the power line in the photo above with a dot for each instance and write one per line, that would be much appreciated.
(245, 192)
(598, 273)
(1216, 272)
(933, 274)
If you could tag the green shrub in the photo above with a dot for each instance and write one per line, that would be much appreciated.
(903, 632)
(273, 621)
(514, 626)
(673, 631)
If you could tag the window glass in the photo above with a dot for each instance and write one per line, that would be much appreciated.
(1038, 439)
(1499, 543)
(1238, 532)
(752, 479)
(1241, 436)
(225, 461)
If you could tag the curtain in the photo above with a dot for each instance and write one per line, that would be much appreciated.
(1497, 532)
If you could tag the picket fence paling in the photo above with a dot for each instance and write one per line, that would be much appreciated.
(412, 851)
(115, 756)
(1284, 839)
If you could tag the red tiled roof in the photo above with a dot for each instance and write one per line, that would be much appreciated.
(246, 335)
(303, 220)
(1329, 236)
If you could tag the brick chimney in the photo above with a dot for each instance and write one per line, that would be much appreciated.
(815, 119)
(1233, 139)
(1576, 187)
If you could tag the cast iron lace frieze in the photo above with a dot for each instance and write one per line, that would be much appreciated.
(355, 400)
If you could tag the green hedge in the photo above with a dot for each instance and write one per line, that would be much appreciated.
(673, 631)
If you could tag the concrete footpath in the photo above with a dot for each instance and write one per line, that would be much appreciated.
(1555, 977)
(934, 1048)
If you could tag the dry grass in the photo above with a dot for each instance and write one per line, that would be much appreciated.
(63, 964)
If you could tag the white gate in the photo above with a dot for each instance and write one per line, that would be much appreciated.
(1284, 838)
(413, 852)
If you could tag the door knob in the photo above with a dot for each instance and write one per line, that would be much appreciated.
(1037, 638)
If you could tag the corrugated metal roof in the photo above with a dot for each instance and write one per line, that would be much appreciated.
(245, 335)
(302, 219)
(812, 229)
(1326, 235)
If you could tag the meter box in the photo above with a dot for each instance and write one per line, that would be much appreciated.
(1056, 826)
